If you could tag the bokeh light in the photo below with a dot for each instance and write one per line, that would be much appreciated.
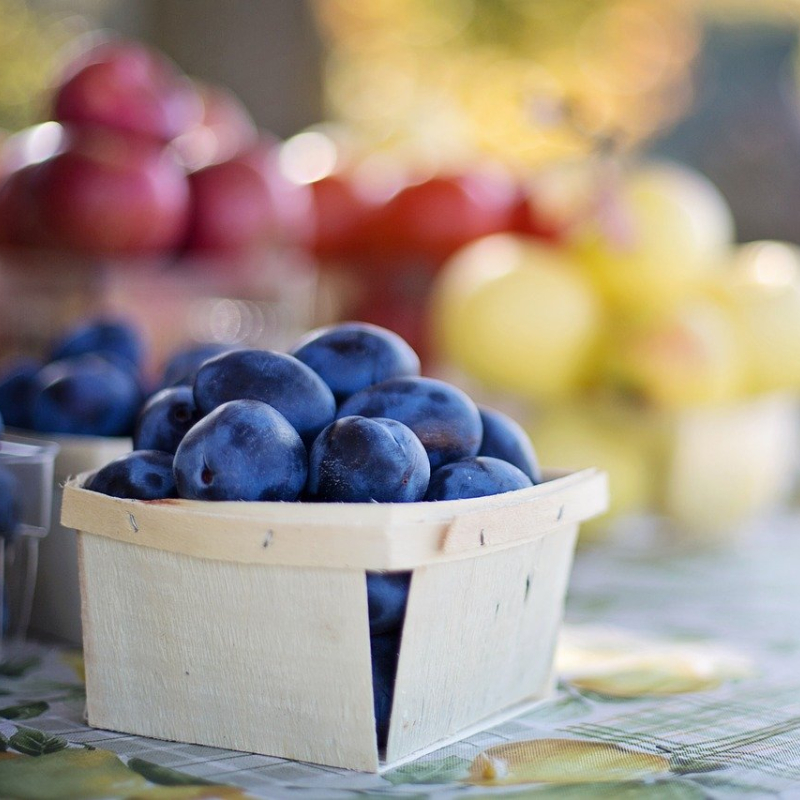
(526, 82)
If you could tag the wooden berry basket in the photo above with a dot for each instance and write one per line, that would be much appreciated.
(245, 625)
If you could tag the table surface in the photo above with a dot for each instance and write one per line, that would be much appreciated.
(678, 678)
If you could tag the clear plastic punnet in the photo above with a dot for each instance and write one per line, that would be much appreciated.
(32, 462)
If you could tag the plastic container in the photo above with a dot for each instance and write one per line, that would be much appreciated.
(56, 604)
(32, 462)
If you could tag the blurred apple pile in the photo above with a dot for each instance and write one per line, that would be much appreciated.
(385, 227)
(137, 160)
(642, 340)
(153, 196)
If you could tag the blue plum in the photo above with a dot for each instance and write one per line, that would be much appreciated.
(361, 460)
(385, 649)
(444, 418)
(17, 384)
(243, 450)
(475, 477)
(9, 504)
(181, 368)
(102, 336)
(139, 475)
(165, 419)
(505, 438)
(280, 380)
(387, 595)
(86, 395)
(351, 356)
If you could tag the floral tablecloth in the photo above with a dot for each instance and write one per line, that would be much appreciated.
(678, 679)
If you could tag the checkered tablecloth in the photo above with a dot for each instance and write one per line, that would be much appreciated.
(679, 679)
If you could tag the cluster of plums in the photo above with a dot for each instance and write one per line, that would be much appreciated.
(90, 383)
(345, 416)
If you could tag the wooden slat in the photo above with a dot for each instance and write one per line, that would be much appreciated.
(273, 661)
(479, 637)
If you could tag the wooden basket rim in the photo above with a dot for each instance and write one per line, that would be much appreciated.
(374, 536)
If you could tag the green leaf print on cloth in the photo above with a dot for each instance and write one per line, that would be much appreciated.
(36, 743)
(24, 710)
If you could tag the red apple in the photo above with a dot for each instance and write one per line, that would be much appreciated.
(225, 130)
(247, 202)
(344, 215)
(20, 222)
(127, 86)
(113, 193)
(429, 221)
(531, 218)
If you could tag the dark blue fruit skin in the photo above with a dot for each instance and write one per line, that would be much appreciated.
(165, 419)
(444, 418)
(9, 504)
(101, 336)
(475, 477)
(278, 379)
(17, 384)
(361, 460)
(387, 595)
(140, 475)
(351, 356)
(181, 368)
(85, 396)
(504, 438)
(385, 652)
(243, 450)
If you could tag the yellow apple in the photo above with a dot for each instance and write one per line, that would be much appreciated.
(764, 294)
(657, 235)
(689, 358)
(517, 316)
(622, 440)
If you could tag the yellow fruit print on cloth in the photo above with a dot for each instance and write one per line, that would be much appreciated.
(77, 773)
(618, 664)
(83, 774)
(74, 660)
(191, 793)
(563, 761)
